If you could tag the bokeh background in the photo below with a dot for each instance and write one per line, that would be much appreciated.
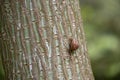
(101, 20)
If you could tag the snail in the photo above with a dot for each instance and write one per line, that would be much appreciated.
(73, 45)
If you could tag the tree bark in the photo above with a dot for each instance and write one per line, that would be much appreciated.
(34, 40)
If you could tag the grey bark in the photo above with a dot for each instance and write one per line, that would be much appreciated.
(34, 40)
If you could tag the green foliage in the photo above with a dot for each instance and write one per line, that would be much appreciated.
(102, 27)
(102, 43)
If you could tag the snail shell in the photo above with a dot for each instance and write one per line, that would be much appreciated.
(73, 45)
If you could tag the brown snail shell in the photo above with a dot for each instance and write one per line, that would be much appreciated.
(73, 45)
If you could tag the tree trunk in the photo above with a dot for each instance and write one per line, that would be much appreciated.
(34, 40)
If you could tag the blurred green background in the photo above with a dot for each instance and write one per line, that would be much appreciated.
(101, 19)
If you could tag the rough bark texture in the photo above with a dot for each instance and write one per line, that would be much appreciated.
(34, 40)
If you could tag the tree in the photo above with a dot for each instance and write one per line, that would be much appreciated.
(34, 39)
